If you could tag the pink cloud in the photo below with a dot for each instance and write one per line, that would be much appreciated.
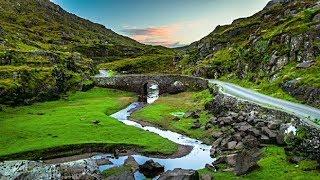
(171, 35)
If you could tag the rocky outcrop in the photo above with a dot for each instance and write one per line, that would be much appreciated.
(180, 174)
(151, 169)
(246, 127)
(309, 94)
(81, 169)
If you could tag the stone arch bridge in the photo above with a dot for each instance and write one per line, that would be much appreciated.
(167, 83)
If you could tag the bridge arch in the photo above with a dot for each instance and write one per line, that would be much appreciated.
(167, 83)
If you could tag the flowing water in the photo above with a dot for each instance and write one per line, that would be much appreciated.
(196, 159)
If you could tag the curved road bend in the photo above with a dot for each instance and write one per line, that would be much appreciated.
(308, 113)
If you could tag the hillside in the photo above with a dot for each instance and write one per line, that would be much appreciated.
(46, 51)
(276, 51)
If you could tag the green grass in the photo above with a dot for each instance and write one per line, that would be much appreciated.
(274, 165)
(142, 64)
(160, 113)
(69, 122)
(116, 171)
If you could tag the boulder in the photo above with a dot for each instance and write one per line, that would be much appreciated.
(151, 169)
(243, 126)
(213, 121)
(225, 120)
(231, 145)
(250, 142)
(274, 125)
(208, 126)
(269, 133)
(265, 139)
(132, 163)
(239, 145)
(196, 124)
(192, 114)
(95, 122)
(255, 132)
(305, 64)
(280, 139)
(316, 18)
(217, 134)
(103, 161)
(231, 159)
(180, 174)
(246, 161)
(206, 177)
(220, 160)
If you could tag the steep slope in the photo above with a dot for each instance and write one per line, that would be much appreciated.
(46, 51)
(275, 51)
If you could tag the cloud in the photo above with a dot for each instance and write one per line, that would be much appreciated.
(171, 35)
(163, 35)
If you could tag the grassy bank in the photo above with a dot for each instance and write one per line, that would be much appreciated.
(161, 113)
(274, 165)
(70, 122)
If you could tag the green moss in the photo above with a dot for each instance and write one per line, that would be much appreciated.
(116, 171)
(69, 122)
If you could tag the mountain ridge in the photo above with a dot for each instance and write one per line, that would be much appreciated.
(276, 49)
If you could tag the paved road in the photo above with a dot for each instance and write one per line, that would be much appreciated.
(306, 112)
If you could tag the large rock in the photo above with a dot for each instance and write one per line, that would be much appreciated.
(271, 134)
(246, 161)
(192, 114)
(180, 174)
(151, 169)
(243, 126)
(305, 64)
(196, 124)
(132, 163)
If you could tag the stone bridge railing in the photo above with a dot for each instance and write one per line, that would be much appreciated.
(167, 83)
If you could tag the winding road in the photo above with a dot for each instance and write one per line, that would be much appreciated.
(305, 112)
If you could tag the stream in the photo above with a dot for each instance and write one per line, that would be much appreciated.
(196, 159)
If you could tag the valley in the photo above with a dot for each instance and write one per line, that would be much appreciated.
(79, 101)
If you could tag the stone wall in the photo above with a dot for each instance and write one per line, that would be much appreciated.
(167, 83)
(267, 126)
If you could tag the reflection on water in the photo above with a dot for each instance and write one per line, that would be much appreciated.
(104, 73)
(153, 92)
(196, 159)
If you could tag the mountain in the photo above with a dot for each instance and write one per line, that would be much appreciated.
(275, 51)
(46, 52)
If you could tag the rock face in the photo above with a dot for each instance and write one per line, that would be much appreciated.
(309, 94)
(81, 169)
(151, 169)
(180, 174)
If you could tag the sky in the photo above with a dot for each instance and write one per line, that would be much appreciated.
(171, 23)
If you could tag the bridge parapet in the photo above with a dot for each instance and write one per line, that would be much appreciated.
(167, 83)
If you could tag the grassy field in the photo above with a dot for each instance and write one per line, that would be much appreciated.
(160, 113)
(70, 122)
(274, 165)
